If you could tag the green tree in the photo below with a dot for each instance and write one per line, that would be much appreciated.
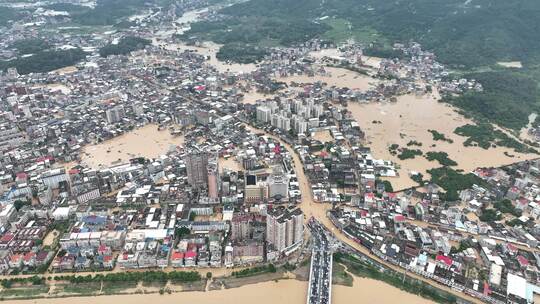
(125, 46)
(18, 204)
(181, 232)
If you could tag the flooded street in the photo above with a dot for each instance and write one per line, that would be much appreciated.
(182, 183)
(319, 210)
(408, 119)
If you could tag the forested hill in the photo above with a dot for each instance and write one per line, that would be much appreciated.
(462, 32)
(469, 36)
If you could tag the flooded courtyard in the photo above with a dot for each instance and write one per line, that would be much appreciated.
(336, 77)
(147, 142)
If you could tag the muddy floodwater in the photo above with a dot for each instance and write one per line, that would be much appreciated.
(323, 136)
(252, 97)
(408, 119)
(364, 291)
(209, 50)
(143, 142)
(230, 164)
(372, 62)
(411, 118)
(337, 77)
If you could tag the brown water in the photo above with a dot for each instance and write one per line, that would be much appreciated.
(230, 164)
(337, 77)
(253, 96)
(284, 291)
(143, 142)
(323, 136)
(410, 118)
(210, 50)
(373, 62)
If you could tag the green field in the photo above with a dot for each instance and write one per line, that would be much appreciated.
(81, 288)
(342, 30)
(24, 292)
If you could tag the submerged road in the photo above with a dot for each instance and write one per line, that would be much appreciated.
(319, 212)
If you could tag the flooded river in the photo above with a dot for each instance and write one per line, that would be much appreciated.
(318, 211)
(364, 291)
(408, 119)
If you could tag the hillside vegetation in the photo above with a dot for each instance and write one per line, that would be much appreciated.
(508, 98)
(125, 46)
(44, 61)
(478, 33)
(469, 36)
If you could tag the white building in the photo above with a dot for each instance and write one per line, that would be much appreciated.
(263, 114)
(62, 213)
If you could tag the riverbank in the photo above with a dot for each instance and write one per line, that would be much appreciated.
(281, 291)
(412, 286)
(319, 212)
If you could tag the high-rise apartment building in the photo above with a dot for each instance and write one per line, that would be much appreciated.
(284, 228)
(263, 114)
(115, 114)
(196, 166)
(240, 226)
(203, 171)
(278, 184)
(213, 178)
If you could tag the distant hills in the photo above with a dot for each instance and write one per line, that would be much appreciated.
(467, 33)
(469, 36)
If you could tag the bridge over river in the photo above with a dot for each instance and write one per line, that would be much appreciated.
(320, 273)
